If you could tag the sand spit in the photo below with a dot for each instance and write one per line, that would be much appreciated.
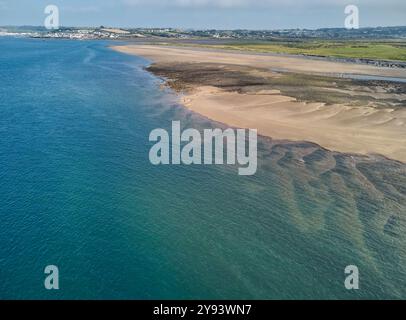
(241, 91)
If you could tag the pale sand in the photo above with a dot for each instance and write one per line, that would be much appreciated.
(118, 31)
(362, 130)
(164, 54)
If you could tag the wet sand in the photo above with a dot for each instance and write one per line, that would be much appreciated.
(240, 90)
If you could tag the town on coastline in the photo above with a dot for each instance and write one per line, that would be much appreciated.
(319, 43)
(103, 32)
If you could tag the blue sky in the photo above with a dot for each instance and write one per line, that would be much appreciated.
(204, 14)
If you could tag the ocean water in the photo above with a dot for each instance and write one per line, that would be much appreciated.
(77, 190)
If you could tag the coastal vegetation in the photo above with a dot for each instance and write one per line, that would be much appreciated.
(376, 50)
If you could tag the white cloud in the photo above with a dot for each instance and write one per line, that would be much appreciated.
(187, 3)
(257, 3)
(79, 9)
(205, 3)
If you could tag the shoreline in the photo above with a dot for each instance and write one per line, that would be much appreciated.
(390, 64)
(232, 90)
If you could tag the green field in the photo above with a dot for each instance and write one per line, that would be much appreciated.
(388, 50)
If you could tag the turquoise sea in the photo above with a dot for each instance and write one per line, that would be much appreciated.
(77, 191)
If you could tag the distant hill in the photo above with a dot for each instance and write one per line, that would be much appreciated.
(325, 33)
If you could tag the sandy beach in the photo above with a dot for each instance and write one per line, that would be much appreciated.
(240, 90)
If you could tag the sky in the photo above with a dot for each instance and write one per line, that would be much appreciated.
(205, 14)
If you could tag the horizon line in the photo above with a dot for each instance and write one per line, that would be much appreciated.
(207, 29)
